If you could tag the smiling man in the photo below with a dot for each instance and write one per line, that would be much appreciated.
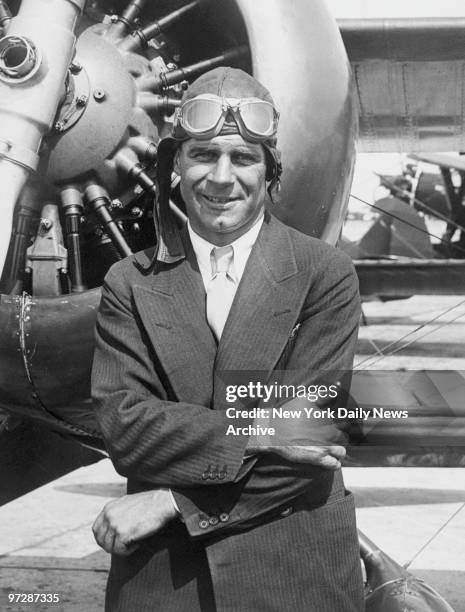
(223, 184)
(215, 521)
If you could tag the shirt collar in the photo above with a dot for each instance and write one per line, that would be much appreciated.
(241, 246)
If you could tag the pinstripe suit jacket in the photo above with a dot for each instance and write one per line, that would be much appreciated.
(259, 534)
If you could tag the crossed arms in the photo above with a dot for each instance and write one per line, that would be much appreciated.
(161, 443)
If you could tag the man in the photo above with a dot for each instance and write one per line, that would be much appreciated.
(215, 521)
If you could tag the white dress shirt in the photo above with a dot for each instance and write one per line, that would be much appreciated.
(242, 248)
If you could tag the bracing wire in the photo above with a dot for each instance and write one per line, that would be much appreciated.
(435, 534)
(407, 243)
(433, 212)
(381, 352)
(396, 342)
(457, 247)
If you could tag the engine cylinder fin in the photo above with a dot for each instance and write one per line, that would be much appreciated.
(168, 79)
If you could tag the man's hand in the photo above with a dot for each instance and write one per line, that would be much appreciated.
(328, 457)
(304, 439)
(128, 519)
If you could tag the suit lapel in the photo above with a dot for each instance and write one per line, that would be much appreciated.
(265, 309)
(266, 306)
(172, 308)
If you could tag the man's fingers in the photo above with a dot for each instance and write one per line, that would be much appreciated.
(96, 527)
(108, 540)
(123, 549)
(128, 519)
(99, 529)
(329, 463)
(337, 451)
(111, 542)
(328, 457)
(104, 534)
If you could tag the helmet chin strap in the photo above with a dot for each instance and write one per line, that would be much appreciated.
(274, 170)
(275, 185)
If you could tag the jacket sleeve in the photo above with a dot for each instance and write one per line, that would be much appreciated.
(324, 344)
(150, 438)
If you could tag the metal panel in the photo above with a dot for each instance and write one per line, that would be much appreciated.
(409, 76)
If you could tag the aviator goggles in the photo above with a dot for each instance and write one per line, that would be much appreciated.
(203, 117)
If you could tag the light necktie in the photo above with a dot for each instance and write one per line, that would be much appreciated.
(221, 288)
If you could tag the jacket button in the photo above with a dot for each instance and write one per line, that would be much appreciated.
(213, 520)
(203, 524)
(287, 511)
(224, 517)
(208, 473)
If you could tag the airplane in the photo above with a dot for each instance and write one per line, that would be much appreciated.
(407, 74)
(92, 87)
(87, 89)
(417, 195)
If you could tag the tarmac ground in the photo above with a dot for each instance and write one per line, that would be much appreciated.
(415, 514)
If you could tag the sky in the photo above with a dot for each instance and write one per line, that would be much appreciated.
(397, 8)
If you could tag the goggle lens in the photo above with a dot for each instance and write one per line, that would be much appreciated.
(201, 115)
(258, 117)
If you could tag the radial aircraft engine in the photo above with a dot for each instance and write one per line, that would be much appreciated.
(86, 92)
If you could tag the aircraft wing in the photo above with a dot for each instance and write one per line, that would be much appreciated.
(443, 160)
(409, 78)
